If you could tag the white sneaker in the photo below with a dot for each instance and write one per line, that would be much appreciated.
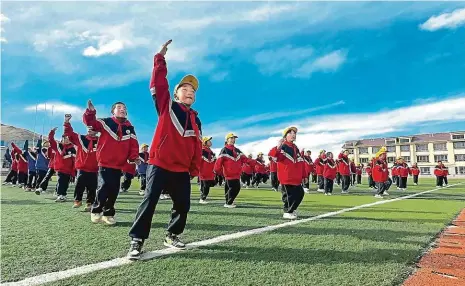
(385, 194)
(307, 191)
(203, 202)
(95, 218)
(229, 206)
(415, 184)
(244, 185)
(378, 196)
(320, 190)
(330, 194)
(289, 216)
(398, 188)
(141, 193)
(274, 190)
(4, 183)
(109, 220)
(162, 197)
(60, 199)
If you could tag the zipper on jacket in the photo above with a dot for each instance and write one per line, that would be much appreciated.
(185, 125)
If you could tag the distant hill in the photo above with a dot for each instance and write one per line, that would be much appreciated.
(14, 134)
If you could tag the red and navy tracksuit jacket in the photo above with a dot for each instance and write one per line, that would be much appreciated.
(260, 167)
(65, 155)
(291, 168)
(380, 170)
(86, 158)
(51, 158)
(358, 170)
(117, 145)
(320, 165)
(230, 162)
(330, 169)
(22, 160)
(441, 171)
(248, 168)
(415, 171)
(177, 142)
(14, 161)
(343, 164)
(403, 170)
(208, 164)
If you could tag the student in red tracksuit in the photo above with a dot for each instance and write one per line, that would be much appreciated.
(50, 155)
(369, 172)
(439, 171)
(415, 173)
(116, 147)
(22, 166)
(338, 174)
(311, 169)
(207, 176)
(259, 170)
(353, 171)
(381, 173)
(307, 162)
(247, 172)
(329, 173)
(291, 172)
(358, 172)
(13, 174)
(344, 170)
(445, 174)
(85, 164)
(273, 170)
(319, 168)
(395, 174)
(230, 162)
(175, 156)
(65, 155)
(403, 170)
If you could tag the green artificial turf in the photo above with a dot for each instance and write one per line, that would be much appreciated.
(370, 246)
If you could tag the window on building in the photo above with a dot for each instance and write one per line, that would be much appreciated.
(363, 150)
(442, 158)
(391, 148)
(375, 149)
(390, 142)
(406, 159)
(405, 148)
(425, 170)
(439, 147)
(458, 136)
(422, 148)
(422, 159)
(391, 159)
(460, 157)
(2, 143)
(364, 160)
(351, 151)
(459, 145)
(461, 170)
(404, 140)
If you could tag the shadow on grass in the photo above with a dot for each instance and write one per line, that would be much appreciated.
(21, 202)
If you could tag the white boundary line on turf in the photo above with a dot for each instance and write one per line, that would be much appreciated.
(55, 276)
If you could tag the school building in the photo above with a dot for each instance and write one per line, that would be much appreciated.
(424, 149)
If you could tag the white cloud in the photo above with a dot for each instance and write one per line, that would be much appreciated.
(4, 19)
(58, 108)
(326, 63)
(3, 40)
(445, 21)
(219, 76)
(111, 48)
(330, 132)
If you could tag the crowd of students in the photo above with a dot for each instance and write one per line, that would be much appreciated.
(178, 153)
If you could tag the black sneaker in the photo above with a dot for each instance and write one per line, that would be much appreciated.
(135, 249)
(173, 241)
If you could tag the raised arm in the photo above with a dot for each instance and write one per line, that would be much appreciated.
(16, 148)
(73, 136)
(51, 140)
(90, 119)
(159, 87)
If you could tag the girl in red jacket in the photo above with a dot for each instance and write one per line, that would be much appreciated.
(207, 176)
(344, 170)
(381, 173)
(308, 171)
(329, 174)
(230, 162)
(13, 174)
(369, 171)
(22, 165)
(273, 170)
(174, 158)
(403, 171)
(247, 172)
(439, 171)
(65, 155)
(291, 172)
(260, 170)
(358, 171)
(319, 167)
(415, 172)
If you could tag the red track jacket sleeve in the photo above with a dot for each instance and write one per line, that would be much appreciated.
(159, 84)
(53, 143)
(73, 136)
(90, 119)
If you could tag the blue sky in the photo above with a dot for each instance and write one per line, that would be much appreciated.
(338, 71)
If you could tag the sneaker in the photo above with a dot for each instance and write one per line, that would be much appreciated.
(307, 191)
(162, 197)
(415, 184)
(326, 194)
(344, 192)
(378, 196)
(4, 183)
(330, 194)
(229, 206)
(244, 185)
(167, 197)
(274, 189)
(60, 199)
(289, 216)
(203, 202)
(38, 191)
(385, 194)
(320, 190)
(135, 249)
(88, 207)
(121, 191)
(109, 220)
(141, 193)
(77, 204)
(174, 242)
(95, 217)
(43, 192)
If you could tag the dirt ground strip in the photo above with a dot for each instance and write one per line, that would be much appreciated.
(444, 264)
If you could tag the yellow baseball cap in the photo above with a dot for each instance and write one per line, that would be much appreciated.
(289, 129)
(143, 145)
(230, 135)
(189, 79)
(206, 139)
(260, 153)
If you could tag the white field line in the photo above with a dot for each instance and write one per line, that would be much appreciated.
(55, 276)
